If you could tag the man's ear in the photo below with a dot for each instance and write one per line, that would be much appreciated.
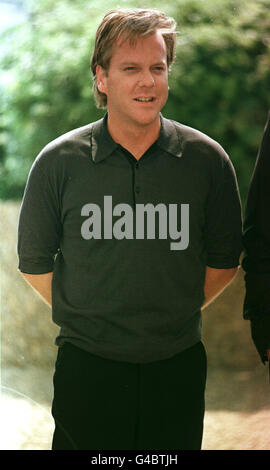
(101, 79)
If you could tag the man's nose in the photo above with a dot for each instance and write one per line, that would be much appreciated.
(146, 79)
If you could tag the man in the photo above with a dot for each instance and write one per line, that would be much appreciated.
(135, 221)
(256, 259)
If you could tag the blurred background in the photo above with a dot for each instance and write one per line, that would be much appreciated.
(220, 84)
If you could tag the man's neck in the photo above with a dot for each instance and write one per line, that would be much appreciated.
(135, 139)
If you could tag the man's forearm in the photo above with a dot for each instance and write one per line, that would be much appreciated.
(215, 282)
(41, 283)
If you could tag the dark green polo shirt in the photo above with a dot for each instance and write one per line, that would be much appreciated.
(128, 241)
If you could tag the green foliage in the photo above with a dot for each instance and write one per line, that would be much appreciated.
(222, 76)
(219, 83)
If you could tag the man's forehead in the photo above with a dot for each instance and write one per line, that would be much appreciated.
(132, 44)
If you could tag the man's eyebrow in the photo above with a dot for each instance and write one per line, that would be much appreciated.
(162, 62)
(129, 63)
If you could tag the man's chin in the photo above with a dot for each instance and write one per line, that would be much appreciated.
(147, 119)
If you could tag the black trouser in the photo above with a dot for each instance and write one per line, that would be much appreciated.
(101, 404)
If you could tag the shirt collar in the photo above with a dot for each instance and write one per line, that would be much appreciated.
(169, 139)
(103, 145)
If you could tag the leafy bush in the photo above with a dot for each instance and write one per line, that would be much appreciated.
(219, 83)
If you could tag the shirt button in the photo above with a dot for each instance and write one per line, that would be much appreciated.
(137, 189)
(137, 166)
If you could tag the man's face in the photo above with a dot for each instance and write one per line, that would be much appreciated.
(136, 83)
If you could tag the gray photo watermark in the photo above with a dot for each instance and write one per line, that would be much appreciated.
(127, 224)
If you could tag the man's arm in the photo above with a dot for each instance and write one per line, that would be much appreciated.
(256, 240)
(215, 282)
(42, 284)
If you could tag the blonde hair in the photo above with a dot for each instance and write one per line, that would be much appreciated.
(129, 24)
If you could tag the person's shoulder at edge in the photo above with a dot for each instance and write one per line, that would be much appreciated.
(75, 142)
(193, 138)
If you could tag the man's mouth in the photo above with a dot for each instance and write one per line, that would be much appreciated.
(144, 100)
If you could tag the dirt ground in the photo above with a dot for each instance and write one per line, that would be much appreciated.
(237, 409)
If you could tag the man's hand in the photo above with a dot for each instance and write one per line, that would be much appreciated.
(215, 282)
(41, 283)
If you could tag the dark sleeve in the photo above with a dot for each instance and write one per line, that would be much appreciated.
(256, 234)
(39, 228)
(223, 217)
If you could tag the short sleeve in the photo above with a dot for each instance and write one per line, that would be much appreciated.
(223, 235)
(39, 227)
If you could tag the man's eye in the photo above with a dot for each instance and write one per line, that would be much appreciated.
(129, 68)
